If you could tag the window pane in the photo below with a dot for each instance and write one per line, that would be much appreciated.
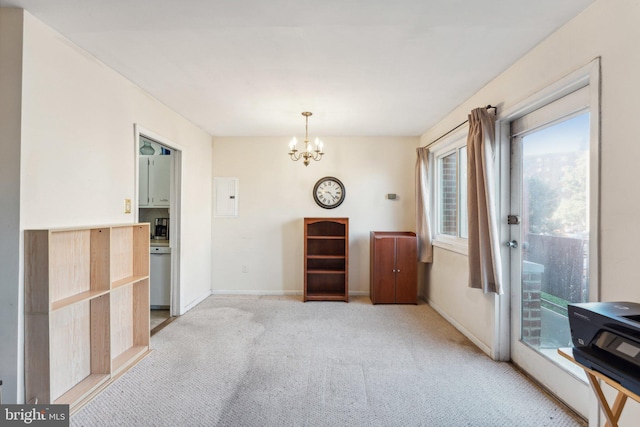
(555, 221)
(463, 225)
(448, 195)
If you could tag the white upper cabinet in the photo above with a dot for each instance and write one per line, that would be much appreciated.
(143, 191)
(155, 173)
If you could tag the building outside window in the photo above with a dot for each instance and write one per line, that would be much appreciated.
(450, 192)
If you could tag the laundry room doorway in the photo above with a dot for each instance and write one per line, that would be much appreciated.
(158, 183)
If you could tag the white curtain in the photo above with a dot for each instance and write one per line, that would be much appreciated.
(423, 227)
(485, 266)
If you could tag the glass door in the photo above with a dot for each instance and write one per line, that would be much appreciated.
(550, 242)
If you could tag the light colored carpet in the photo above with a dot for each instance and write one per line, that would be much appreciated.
(265, 361)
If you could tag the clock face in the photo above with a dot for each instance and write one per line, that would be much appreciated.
(328, 192)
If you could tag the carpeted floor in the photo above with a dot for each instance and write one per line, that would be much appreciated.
(267, 361)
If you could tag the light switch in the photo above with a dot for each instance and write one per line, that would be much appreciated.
(127, 206)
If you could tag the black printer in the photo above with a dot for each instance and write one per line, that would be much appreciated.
(606, 339)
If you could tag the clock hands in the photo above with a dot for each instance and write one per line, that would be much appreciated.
(329, 193)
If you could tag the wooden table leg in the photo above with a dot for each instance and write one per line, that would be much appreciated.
(612, 414)
(618, 405)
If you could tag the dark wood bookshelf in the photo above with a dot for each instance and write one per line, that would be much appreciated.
(326, 259)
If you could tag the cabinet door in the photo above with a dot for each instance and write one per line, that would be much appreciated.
(406, 270)
(143, 181)
(160, 279)
(159, 178)
(383, 271)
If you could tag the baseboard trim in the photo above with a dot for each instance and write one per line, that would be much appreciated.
(482, 346)
(195, 302)
(275, 293)
(255, 292)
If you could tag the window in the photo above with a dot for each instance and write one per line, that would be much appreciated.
(448, 186)
(450, 192)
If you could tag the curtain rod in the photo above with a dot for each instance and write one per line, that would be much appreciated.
(488, 107)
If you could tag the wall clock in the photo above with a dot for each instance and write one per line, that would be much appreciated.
(329, 192)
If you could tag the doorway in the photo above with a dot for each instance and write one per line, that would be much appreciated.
(551, 239)
(158, 178)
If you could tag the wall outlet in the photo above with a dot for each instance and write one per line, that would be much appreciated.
(245, 269)
(127, 206)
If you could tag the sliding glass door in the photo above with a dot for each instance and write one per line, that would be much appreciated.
(551, 240)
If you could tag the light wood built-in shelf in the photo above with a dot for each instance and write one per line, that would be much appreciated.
(82, 389)
(82, 296)
(124, 359)
(86, 309)
(127, 281)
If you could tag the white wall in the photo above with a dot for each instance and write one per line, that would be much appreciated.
(10, 96)
(276, 194)
(73, 107)
(469, 310)
(607, 29)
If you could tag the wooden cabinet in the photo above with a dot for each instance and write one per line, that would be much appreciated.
(86, 309)
(154, 178)
(393, 268)
(326, 259)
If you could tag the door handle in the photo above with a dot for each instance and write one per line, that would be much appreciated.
(512, 244)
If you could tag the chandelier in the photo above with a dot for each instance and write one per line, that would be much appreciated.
(308, 154)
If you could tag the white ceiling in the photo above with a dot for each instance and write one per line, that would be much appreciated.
(363, 67)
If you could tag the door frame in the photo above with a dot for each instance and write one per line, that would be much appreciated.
(175, 204)
(587, 75)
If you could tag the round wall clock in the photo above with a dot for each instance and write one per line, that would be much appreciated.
(329, 192)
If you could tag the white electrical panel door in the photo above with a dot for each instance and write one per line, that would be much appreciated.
(226, 197)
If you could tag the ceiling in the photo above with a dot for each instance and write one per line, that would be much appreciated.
(363, 67)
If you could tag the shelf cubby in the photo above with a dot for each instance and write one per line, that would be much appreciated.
(129, 254)
(326, 264)
(129, 324)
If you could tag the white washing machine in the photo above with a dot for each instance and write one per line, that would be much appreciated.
(160, 277)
